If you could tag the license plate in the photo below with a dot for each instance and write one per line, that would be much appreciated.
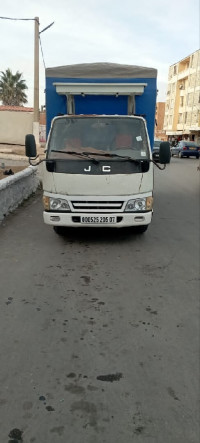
(191, 149)
(99, 220)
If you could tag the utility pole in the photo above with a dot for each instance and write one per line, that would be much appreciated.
(36, 82)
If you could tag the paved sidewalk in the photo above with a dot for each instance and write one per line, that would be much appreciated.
(17, 152)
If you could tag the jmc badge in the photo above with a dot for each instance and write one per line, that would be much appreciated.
(104, 169)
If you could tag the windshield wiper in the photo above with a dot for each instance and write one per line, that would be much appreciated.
(107, 154)
(78, 154)
(86, 154)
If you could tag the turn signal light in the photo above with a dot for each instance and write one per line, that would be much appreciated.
(46, 203)
(149, 203)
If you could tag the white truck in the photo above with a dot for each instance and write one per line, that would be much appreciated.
(98, 169)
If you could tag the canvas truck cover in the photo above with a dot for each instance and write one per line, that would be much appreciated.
(101, 70)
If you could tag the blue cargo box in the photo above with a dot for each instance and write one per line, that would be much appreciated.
(102, 88)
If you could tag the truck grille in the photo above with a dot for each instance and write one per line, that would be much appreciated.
(96, 206)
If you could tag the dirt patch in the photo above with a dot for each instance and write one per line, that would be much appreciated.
(13, 168)
(16, 149)
(110, 377)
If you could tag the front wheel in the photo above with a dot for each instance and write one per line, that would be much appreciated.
(59, 230)
(140, 229)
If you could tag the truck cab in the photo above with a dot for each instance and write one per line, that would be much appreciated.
(98, 172)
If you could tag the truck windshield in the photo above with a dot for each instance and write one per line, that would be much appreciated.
(124, 136)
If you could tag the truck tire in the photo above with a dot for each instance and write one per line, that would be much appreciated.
(59, 230)
(140, 229)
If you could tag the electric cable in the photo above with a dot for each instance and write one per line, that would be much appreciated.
(11, 18)
(42, 52)
(31, 19)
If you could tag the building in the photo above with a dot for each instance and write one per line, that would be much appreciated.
(182, 110)
(159, 121)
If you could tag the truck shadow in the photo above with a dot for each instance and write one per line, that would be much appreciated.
(99, 235)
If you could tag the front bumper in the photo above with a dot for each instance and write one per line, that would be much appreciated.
(190, 153)
(72, 219)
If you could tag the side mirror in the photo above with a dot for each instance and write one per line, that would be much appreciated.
(30, 146)
(164, 153)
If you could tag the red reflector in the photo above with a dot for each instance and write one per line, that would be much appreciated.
(184, 148)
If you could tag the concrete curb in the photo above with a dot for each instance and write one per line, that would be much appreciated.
(17, 188)
(13, 157)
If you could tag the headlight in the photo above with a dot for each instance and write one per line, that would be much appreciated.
(139, 204)
(55, 204)
(59, 204)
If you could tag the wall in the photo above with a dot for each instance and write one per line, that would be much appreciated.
(160, 113)
(42, 134)
(14, 125)
(16, 188)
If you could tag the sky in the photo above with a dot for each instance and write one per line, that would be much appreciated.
(151, 33)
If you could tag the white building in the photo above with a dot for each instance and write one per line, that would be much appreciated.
(182, 110)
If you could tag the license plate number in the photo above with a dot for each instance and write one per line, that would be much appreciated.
(98, 220)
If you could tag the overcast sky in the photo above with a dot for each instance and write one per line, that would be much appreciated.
(152, 33)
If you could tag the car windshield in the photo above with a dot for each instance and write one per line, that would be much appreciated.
(188, 144)
(123, 136)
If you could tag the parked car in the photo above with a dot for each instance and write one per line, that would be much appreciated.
(175, 150)
(186, 148)
(156, 149)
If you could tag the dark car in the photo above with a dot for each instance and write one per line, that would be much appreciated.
(186, 148)
(156, 149)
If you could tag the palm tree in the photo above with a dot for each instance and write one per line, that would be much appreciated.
(12, 88)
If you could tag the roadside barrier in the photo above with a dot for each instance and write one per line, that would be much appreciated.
(16, 188)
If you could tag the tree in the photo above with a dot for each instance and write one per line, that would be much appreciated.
(12, 88)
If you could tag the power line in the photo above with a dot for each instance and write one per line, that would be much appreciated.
(36, 59)
(42, 52)
(11, 18)
(31, 19)
(47, 27)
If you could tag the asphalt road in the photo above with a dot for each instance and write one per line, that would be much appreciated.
(99, 330)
